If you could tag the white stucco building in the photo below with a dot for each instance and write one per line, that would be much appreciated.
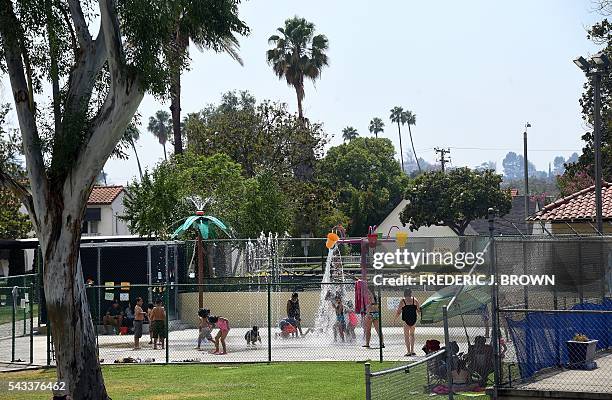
(104, 207)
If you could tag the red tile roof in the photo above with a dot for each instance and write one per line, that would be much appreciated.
(104, 194)
(579, 206)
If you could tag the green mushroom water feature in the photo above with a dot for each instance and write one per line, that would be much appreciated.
(205, 227)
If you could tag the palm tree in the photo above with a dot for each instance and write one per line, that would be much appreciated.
(161, 126)
(398, 116)
(131, 135)
(376, 126)
(297, 53)
(192, 27)
(349, 133)
(410, 119)
(401, 117)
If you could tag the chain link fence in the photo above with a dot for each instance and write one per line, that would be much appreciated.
(557, 335)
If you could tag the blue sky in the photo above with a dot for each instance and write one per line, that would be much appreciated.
(473, 72)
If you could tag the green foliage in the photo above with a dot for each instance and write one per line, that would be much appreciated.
(48, 36)
(158, 203)
(366, 179)
(454, 198)
(13, 224)
(600, 34)
(262, 138)
(316, 208)
(265, 208)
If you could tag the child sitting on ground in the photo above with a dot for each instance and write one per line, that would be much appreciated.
(252, 336)
(205, 328)
(288, 328)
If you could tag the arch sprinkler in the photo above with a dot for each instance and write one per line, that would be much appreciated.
(205, 227)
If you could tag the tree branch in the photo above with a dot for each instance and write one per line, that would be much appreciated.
(112, 37)
(81, 28)
(120, 105)
(20, 191)
(23, 107)
(73, 38)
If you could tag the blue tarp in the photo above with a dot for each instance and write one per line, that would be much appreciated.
(539, 339)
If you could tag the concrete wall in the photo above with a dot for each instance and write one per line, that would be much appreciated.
(244, 309)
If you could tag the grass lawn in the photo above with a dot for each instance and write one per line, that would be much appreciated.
(6, 315)
(312, 380)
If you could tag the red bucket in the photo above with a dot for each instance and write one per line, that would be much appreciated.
(123, 330)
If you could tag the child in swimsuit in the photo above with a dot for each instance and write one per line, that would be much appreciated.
(353, 321)
(223, 325)
(205, 328)
(340, 324)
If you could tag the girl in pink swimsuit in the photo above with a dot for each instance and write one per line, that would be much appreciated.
(223, 325)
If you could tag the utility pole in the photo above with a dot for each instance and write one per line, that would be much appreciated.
(443, 160)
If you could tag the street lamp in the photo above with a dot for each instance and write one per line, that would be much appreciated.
(594, 68)
(526, 174)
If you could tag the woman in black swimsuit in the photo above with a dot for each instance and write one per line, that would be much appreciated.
(408, 307)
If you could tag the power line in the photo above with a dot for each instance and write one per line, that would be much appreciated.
(500, 149)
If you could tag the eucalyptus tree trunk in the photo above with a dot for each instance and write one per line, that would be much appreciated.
(67, 307)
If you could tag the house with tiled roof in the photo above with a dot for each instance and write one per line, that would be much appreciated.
(575, 214)
(104, 209)
(511, 224)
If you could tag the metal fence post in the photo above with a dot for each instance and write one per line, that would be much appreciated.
(31, 298)
(380, 331)
(494, 305)
(13, 317)
(368, 382)
(269, 321)
(25, 319)
(449, 355)
(167, 301)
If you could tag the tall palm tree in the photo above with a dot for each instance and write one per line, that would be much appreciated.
(161, 126)
(191, 27)
(376, 126)
(297, 54)
(349, 133)
(410, 119)
(398, 116)
(131, 135)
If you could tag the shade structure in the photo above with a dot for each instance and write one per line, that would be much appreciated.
(204, 224)
(471, 298)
